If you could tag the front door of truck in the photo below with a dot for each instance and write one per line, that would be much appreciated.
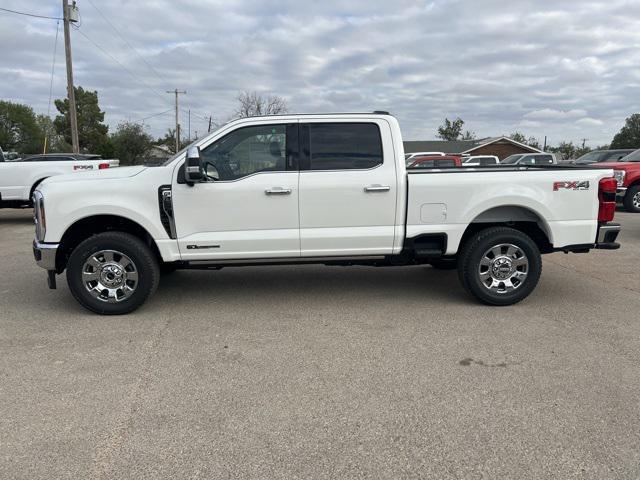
(248, 207)
(348, 188)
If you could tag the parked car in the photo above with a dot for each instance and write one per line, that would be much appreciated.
(598, 156)
(530, 159)
(627, 174)
(436, 161)
(329, 189)
(480, 160)
(408, 157)
(18, 179)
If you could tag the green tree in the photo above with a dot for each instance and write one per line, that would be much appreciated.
(131, 143)
(629, 135)
(568, 151)
(521, 138)
(169, 140)
(55, 141)
(92, 133)
(18, 128)
(452, 130)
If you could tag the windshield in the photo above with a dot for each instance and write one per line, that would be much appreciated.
(591, 157)
(632, 157)
(511, 159)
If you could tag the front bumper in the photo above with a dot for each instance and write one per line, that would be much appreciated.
(45, 254)
(607, 235)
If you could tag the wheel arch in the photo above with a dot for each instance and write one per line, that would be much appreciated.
(94, 225)
(518, 217)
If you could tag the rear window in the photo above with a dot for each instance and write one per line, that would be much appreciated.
(446, 163)
(487, 161)
(511, 159)
(344, 146)
(632, 157)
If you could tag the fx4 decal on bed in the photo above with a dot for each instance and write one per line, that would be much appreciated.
(584, 185)
(83, 167)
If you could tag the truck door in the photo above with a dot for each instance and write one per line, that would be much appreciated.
(248, 208)
(348, 188)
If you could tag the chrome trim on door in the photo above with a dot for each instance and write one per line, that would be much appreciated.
(278, 191)
(377, 188)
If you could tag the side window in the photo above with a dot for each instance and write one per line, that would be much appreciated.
(248, 150)
(527, 160)
(544, 160)
(426, 164)
(344, 146)
(487, 161)
(445, 163)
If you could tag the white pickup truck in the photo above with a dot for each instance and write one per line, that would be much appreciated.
(328, 189)
(18, 179)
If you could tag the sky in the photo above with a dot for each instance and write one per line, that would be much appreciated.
(567, 69)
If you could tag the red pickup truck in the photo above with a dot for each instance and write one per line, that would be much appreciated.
(627, 173)
(435, 161)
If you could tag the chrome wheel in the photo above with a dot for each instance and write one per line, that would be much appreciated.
(110, 276)
(636, 200)
(503, 268)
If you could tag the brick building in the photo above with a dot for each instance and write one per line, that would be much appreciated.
(501, 147)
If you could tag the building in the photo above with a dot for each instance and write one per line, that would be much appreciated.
(501, 147)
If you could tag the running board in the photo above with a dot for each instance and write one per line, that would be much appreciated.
(280, 261)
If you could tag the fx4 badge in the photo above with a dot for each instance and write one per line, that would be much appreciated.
(83, 167)
(570, 185)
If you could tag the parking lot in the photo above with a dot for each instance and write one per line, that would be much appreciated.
(323, 372)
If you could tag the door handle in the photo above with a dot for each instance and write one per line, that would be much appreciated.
(377, 188)
(278, 191)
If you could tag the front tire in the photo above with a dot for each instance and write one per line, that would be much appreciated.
(112, 273)
(632, 199)
(500, 266)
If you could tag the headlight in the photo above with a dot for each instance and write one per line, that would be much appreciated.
(619, 176)
(39, 215)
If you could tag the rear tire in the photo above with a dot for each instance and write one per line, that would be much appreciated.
(112, 273)
(500, 266)
(632, 199)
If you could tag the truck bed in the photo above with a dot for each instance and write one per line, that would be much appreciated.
(448, 200)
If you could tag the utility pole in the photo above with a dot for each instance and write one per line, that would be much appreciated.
(209, 129)
(544, 149)
(177, 92)
(189, 136)
(70, 14)
(583, 142)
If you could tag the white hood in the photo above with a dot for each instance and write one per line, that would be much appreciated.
(106, 174)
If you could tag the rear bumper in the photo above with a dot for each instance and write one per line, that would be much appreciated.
(620, 193)
(607, 235)
(45, 254)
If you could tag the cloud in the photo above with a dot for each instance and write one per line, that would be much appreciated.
(546, 67)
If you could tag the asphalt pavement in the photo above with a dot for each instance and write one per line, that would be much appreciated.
(323, 372)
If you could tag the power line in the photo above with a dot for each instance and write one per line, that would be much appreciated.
(152, 116)
(128, 44)
(29, 14)
(105, 52)
(53, 66)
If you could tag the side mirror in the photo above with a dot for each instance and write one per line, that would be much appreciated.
(193, 172)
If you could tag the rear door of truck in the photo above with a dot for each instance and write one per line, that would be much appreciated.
(348, 187)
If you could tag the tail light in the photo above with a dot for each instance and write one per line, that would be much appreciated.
(103, 166)
(607, 198)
